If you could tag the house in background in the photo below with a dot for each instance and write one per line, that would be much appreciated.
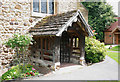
(59, 28)
(112, 34)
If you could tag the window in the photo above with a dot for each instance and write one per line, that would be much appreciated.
(43, 6)
(51, 6)
(35, 5)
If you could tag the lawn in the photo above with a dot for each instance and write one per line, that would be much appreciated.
(113, 55)
(116, 48)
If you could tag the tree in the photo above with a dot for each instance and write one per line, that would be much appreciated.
(100, 17)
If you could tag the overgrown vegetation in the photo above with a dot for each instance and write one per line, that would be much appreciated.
(20, 44)
(95, 51)
(15, 72)
(100, 16)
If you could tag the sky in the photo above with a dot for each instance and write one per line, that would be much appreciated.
(114, 3)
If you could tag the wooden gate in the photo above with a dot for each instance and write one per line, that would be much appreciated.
(65, 48)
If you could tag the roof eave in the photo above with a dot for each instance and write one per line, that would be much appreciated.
(69, 23)
(115, 29)
(85, 23)
(73, 19)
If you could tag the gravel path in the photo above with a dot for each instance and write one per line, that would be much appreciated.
(106, 70)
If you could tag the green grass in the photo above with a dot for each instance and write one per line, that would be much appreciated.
(113, 55)
(116, 48)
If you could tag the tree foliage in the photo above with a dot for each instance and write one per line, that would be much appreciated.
(100, 16)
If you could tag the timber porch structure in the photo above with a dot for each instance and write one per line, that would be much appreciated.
(60, 38)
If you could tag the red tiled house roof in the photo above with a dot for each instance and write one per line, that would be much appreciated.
(113, 25)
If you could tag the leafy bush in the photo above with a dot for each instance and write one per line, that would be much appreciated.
(95, 51)
(15, 72)
(20, 41)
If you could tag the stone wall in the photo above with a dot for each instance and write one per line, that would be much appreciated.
(66, 5)
(69, 5)
(14, 18)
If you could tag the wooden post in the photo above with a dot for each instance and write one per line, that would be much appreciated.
(45, 43)
(39, 56)
(56, 53)
(42, 48)
(82, 49)
(57, 49)
(113, 39)
(75, 42)
(71, 45)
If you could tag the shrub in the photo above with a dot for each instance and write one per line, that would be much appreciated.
(95, 51)
(19, 41)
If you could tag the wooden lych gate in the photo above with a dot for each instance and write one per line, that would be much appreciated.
(60, 38)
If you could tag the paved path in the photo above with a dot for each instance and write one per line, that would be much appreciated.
(106, 70)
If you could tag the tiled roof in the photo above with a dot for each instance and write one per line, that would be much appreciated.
(114, 25)
(52, 25)
(116, 29)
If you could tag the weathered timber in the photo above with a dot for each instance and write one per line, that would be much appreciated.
(48, 57)
(42, 62)
(82, 49)
(65, 48)
(56, 56)
(70, 27)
